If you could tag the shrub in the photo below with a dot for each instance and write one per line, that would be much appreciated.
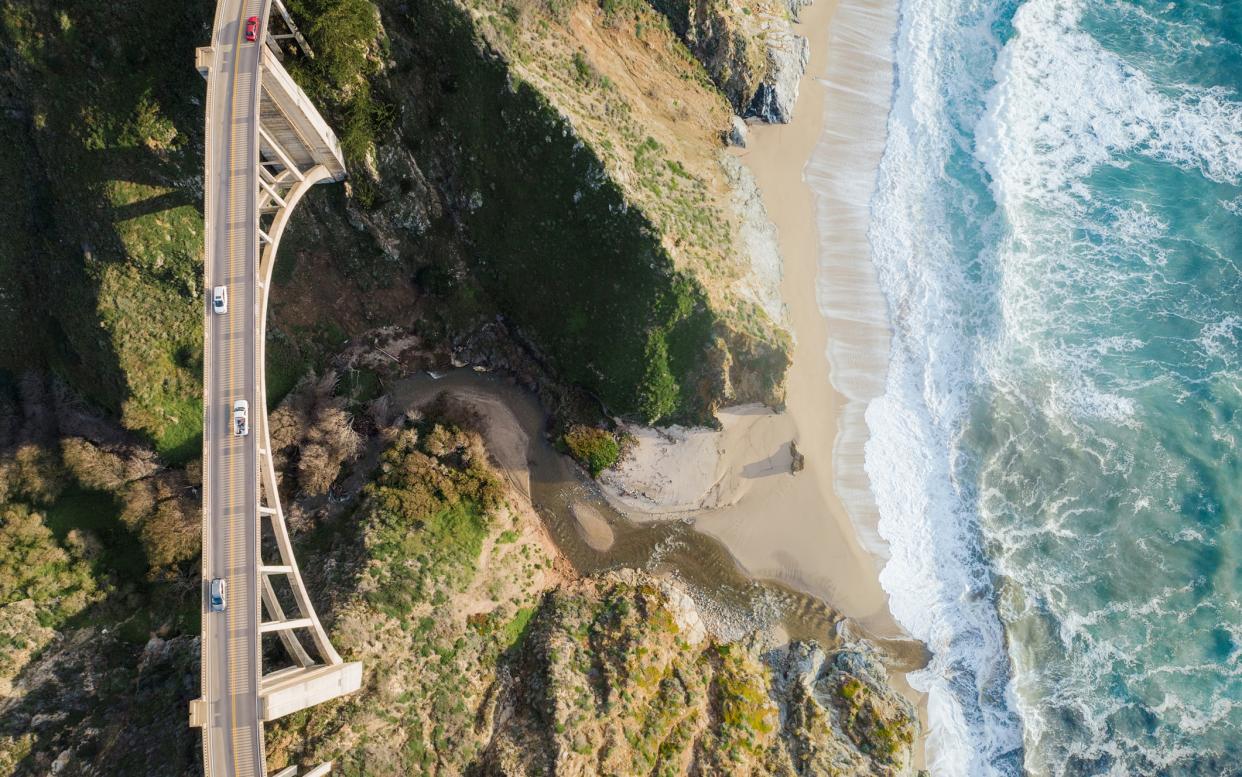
(312, 419)
(658, 394)
(33, 566)
(595, 449)
(426, 517)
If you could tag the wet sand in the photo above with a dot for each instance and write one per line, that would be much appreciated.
(814, 530)
(786, 526)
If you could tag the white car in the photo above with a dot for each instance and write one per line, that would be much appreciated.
(215, 601)
(220, 299)
(241, 418)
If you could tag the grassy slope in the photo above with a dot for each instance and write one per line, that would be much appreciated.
(550, 235)
(103, 195)
(646, 109)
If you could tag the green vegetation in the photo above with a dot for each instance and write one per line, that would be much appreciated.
(747, 714)
(515, 628)
(659, 392)
(595, 449)
(558, 247)
(434, 508)
(34, 566)
(349, 51)
(78, 611)
(79, 510)
(103, 234)
(360, 386)
(882, 736)
(429, 512)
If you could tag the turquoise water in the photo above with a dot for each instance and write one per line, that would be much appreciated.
(1058, 231)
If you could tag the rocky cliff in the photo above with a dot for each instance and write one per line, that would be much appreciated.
(749, 48)
(569, 157)
(487, 656)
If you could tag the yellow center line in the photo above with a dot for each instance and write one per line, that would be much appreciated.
(230, 618)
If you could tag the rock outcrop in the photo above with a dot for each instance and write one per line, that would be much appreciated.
(749, 49)
(847, 692)
(788, 55)
(96, 705)
(486, 655)
(610, 681)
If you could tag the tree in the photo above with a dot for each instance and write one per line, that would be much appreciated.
(106, 468)
(657, 396)
(314, 423)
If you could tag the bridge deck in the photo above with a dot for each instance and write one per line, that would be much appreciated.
(251, 105)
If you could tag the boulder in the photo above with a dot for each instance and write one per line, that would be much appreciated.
(788, 56)
(738, 132)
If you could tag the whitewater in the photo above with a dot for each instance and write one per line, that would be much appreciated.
(1056, 230)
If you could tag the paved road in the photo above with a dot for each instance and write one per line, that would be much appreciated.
(233, 735)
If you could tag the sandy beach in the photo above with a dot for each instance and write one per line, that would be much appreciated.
(814, 529)
(738, 483)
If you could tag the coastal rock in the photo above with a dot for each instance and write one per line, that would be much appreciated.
(686, 613)
(847, 692)
(760, 279)
(796, 6)
(788, 56)
(738, 132)
(751, 52)
(569, 696)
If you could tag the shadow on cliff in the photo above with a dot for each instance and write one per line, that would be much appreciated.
(108, 137)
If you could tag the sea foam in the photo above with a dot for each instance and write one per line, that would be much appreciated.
(1051, 229)
(937, 576)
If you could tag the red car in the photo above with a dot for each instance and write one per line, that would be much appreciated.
(252, 28)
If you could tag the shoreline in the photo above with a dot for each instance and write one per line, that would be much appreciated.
(795, 527)
(814, 530)
(736, 484)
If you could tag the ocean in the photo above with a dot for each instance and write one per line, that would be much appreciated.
(1057, 229)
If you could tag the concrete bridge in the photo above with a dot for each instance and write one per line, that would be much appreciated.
(266, 146)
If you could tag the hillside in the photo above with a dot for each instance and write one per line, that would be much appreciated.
(577, 152)
(542, 187)
(557, 167)
(486, 656)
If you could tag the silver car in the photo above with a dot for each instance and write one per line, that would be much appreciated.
(220, 299)
(215, 600)
(241, 418)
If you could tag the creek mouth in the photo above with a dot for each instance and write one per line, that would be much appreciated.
(579, 519)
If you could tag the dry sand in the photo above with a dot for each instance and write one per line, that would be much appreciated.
(795, 527)
(779, 525)
(677, 471)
